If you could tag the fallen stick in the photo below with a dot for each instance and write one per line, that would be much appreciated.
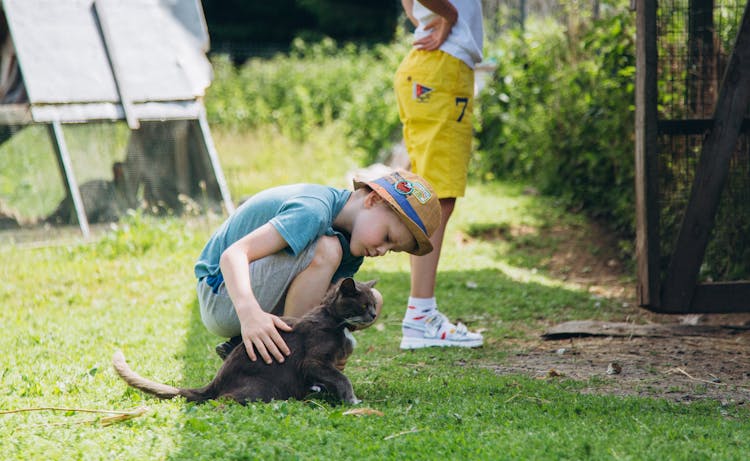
(680, 370)
(117, 415)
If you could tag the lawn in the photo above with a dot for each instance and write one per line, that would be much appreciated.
(68, 307)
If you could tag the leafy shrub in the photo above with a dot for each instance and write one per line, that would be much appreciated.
(313, 85)
(559, 112)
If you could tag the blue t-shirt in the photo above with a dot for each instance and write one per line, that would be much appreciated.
(301, 213)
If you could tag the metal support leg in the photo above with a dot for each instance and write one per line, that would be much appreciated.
(66, 168)
(214, 158)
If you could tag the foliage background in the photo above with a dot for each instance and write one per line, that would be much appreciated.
(313, 85)
(559, 113)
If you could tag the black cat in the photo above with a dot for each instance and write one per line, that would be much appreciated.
(320, 339)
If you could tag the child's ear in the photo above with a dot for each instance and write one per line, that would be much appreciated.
(372, 198)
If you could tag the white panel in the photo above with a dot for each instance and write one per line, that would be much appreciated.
(157, 57)
(190, 15)
(64, 59)
(60, 51)
(79, 113)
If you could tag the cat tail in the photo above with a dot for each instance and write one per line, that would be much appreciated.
(163, 391)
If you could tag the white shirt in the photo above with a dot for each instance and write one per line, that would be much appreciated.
(465, 41)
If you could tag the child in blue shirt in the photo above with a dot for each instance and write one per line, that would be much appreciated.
(280, 251)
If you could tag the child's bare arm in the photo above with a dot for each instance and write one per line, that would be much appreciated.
(440, 26)
(259, 328)
(409, 10)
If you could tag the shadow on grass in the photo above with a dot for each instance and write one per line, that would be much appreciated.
(201, 361)
(485, 298)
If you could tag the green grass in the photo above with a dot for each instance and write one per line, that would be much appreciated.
(67, 308)
(263, 158)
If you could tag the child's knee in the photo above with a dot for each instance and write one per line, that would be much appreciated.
(328, 253)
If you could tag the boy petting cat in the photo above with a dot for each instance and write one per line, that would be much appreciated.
(279, 252)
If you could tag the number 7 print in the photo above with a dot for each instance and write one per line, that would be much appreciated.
(465, 102)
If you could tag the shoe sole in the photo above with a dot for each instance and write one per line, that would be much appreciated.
(420, 343)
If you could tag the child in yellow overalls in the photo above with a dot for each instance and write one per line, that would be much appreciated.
(435, 88)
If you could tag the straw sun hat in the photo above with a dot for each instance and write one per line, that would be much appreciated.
(415, 202)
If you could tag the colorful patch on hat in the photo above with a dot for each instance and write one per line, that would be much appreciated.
(420, 192)
(400, 190)
(420, 92)
(403, 187)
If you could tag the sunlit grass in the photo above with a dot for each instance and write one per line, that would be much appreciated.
(262, 158)
(67, 308)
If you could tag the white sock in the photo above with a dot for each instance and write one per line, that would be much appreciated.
(420, 308)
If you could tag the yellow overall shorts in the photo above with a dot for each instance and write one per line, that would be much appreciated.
(435, 93)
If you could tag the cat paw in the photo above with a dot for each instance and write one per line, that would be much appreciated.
(353, 401)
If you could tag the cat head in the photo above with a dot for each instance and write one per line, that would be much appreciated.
(353, 303)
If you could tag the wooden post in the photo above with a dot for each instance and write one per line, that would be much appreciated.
(66, 169)
(646, 192)
(710, 176)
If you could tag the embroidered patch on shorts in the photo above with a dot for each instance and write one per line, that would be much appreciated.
(420, 92)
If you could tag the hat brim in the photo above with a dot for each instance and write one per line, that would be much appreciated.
(424, 246)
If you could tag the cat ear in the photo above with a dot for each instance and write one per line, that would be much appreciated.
(348, 287)
(370, 283)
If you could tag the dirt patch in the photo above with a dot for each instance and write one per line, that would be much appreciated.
(581, 254)
(678, 367)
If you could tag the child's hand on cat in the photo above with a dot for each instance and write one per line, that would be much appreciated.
(261, 330)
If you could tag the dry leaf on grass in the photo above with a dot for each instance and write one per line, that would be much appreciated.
(363, 412)
(124, 416)
(552, 373)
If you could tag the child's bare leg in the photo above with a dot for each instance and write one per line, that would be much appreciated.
(423, 324)
(424, 268)
(310, 285)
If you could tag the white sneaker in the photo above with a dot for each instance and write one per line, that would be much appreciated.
(437, 331)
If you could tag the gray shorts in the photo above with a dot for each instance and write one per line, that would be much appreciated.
(270, 278)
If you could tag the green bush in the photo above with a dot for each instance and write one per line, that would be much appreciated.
(313, 85)
(559, 113)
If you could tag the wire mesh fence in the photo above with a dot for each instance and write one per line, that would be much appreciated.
(160, 168)
(694, 41)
